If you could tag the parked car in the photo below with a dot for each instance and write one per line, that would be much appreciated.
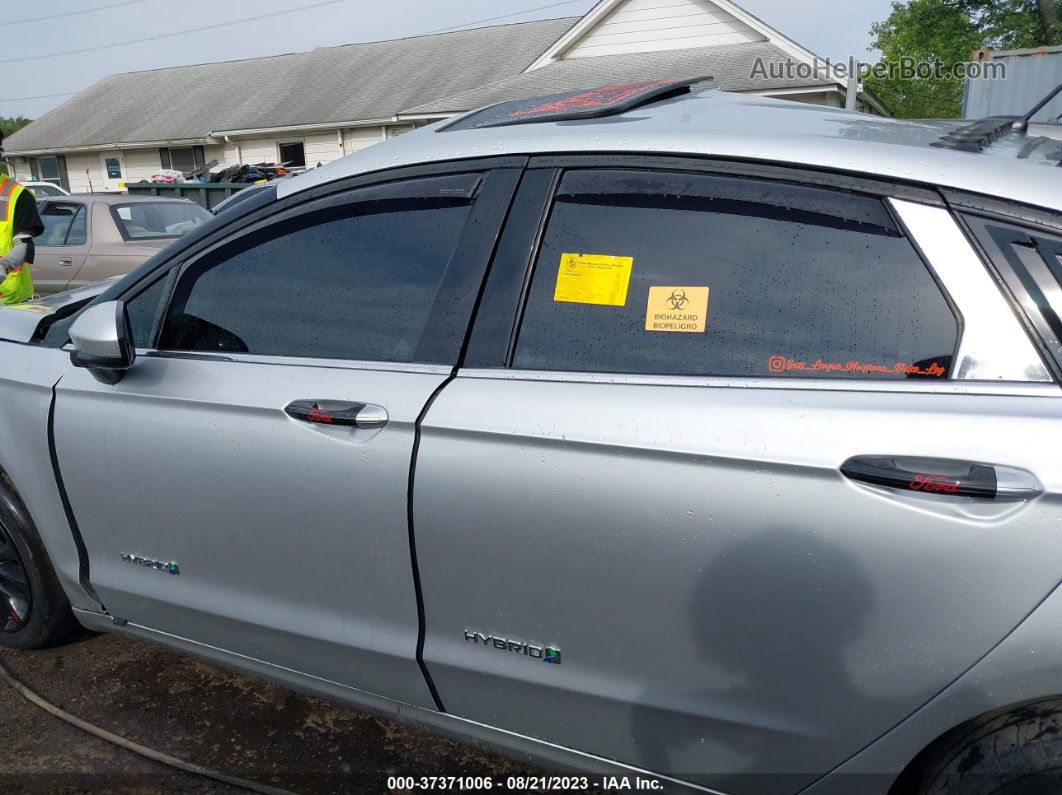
(91, 237)
(43, 189)
(688, 435)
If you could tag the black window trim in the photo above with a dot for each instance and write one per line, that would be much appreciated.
(722, 166)
(971, 218)
(193, 244)
(262, 209)
(487, 348)
(462, 278)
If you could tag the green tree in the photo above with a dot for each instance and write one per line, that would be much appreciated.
(9, 124)
(948, 32)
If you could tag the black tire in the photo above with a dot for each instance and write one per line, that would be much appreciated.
(48, 619)
(1017, 752)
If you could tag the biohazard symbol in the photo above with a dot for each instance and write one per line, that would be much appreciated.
(677, 301)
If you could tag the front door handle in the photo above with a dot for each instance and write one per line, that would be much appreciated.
(337, 412)
(66, 261)
(944, 477)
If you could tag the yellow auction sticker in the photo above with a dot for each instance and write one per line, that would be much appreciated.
(593, 279)
(677, 309)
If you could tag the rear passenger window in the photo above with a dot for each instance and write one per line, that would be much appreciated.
(355, 281)
(672, 273)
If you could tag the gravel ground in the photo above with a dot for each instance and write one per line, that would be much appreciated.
(202, 714)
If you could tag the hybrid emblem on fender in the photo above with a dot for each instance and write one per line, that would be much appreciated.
(169, 567)
(549, 654)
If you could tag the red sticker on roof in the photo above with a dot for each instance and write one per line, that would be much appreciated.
(604, 97)
(582, 103)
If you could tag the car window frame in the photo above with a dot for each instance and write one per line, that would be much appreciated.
(494, 347)
(1017, 222)
(492, 340)
(461, 282)
(82, 207)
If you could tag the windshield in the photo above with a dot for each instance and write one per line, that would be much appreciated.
(154, 220)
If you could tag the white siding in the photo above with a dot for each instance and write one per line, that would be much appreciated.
(141, 164)
(21, 169)
(653, 25)
(321, 147)
(80, 181)
(809, 98)
(221, 153)
(258, 150)
(357, 138)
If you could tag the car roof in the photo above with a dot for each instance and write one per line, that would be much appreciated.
(720, 124)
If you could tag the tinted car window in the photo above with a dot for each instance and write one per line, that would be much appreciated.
(355, 281)
(143, 309)
(670, 273)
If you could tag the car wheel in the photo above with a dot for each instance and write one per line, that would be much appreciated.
(34, 611)
(1018, 752)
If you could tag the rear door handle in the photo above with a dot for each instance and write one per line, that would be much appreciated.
(944, 477)
(337, 412)
(66, 261)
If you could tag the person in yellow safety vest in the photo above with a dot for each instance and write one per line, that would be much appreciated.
(19, 224)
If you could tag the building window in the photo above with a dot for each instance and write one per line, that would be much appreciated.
(114, 168)
(183, 158)
(51, 168)
(293, 154)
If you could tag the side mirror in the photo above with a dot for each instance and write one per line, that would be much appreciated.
(103, 341)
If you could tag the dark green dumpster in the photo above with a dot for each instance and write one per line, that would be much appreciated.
(206, 194)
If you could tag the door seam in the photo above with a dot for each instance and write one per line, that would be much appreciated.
(75, 531)
(415, 568)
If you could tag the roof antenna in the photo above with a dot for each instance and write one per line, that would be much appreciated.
(1022, 124)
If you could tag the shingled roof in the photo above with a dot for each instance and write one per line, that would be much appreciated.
(354, 82)
(730, 67)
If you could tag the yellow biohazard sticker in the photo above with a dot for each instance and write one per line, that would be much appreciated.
(593, 279)
(677, 309)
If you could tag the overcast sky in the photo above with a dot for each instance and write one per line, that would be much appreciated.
(820, 26)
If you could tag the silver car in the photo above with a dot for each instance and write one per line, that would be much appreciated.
(642, 432)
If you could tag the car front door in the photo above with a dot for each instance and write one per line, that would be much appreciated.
(62, 248)
(709, 511)
(245, 485)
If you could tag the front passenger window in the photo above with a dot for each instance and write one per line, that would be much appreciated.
(354, 281)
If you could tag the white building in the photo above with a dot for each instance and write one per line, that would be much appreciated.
(316, 106)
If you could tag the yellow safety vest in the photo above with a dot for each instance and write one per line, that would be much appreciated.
(18, 285)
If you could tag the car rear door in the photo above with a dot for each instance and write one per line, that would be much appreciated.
(245, 485)
(705, 506)
(61, 250)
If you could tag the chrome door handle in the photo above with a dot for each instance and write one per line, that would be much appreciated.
(943, 477)
(66, 261)
(337, 412)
